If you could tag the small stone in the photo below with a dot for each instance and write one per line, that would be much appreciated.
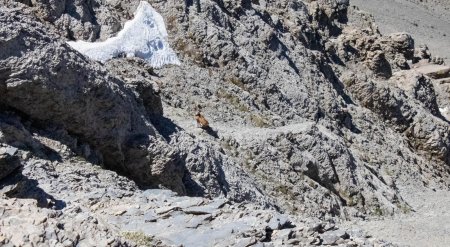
(245, 242)
(316, 241)
(274, 224)
(50, 234)
(120, 212)
(8, 150)
(26, 155)
(315, 228)
(293, 242)
(331, 238)
(277, 242)
(329, 227)
(239, 215)
(67, 243)
(341, 241)
(110, 240)
(284, 234)
(53, 242)
(352, 244)
(40, 220)
(34, 239)
(310, 240)
(354, 233)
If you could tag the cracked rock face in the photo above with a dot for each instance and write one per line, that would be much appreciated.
(125, 138)
(315, 117)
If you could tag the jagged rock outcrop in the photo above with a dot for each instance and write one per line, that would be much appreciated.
(426, 20)
(48, 81)
(426, 131)
(380, 54)
(8, 161)
(407, 100)
(418, 87)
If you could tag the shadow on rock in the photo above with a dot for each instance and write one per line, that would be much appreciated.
(19, 186)
(193, 188)
(211, 132)
(165, 126)
(18, 136)
(204, 175)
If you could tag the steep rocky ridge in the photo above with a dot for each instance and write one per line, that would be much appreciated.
(280, 79)
(312, 115)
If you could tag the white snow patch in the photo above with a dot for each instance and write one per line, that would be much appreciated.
(445, 112)
(145, 36)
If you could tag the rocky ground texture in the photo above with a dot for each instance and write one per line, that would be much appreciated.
(322, 129)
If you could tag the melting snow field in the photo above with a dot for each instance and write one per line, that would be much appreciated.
(145, 36)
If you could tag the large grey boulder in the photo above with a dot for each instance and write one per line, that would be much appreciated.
(45, 79)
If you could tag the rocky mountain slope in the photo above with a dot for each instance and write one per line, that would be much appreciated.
(317, 120)
(427, 21)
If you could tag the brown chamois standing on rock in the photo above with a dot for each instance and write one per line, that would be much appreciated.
(201, 120)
